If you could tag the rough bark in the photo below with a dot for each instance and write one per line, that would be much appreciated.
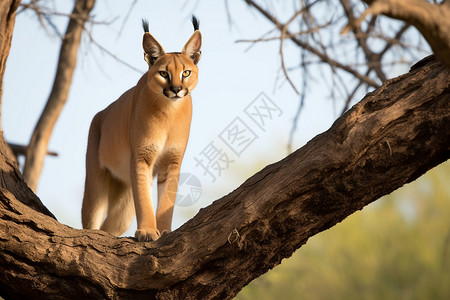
(12, 181)
(391, 137)
(37, 148)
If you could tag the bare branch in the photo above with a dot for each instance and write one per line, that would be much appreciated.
(323, 57)
(40, 138)
(370, 56)
(300, 106)
(396, 40)
(292, 35)
(22, 150)
(432, 20)
(109, 53)
(127, 16)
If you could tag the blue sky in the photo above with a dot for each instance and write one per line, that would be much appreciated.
(231, 80)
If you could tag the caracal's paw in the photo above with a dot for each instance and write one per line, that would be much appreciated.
(147, 234)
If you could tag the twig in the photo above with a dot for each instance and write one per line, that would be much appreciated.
(283, 36)
(291, 35)
(22, 150)
(370, 55)
(126, 18)
(300, 106)
(103, 49)
(323, 57)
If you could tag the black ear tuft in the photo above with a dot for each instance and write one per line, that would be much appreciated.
(145, 25)
(195, 22)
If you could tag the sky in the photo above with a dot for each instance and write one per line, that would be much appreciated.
(234, 80)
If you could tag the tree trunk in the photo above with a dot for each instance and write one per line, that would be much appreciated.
(391, 137)
(10, 177)
(37, 149)
(7, 19)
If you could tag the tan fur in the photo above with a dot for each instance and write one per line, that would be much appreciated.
(141, 135)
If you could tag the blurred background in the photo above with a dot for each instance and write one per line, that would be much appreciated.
(306, 73)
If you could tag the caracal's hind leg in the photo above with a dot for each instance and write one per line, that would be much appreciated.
(120, 208)
(95, 199)
(167, 191)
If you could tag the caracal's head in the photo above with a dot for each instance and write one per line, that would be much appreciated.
(172, 74)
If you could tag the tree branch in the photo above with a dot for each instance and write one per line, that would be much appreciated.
(432, 20)
(37, 148)
(390, 138)
(22, 150)
(361, 38)
(322, 56)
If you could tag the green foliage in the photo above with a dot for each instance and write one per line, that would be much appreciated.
(396, 248)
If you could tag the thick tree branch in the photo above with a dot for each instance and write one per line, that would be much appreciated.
(391, 137)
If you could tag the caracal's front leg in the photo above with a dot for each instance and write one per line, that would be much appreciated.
(167, 191)
(141, 181)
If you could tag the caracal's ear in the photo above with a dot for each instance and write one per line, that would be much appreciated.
(194, 44)
(152, 49)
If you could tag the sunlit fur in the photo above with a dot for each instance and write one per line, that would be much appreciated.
(141, 135)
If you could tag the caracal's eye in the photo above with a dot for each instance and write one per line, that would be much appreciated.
(186, 73)
(163, 74)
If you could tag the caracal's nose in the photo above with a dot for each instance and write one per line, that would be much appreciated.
(175, 89)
